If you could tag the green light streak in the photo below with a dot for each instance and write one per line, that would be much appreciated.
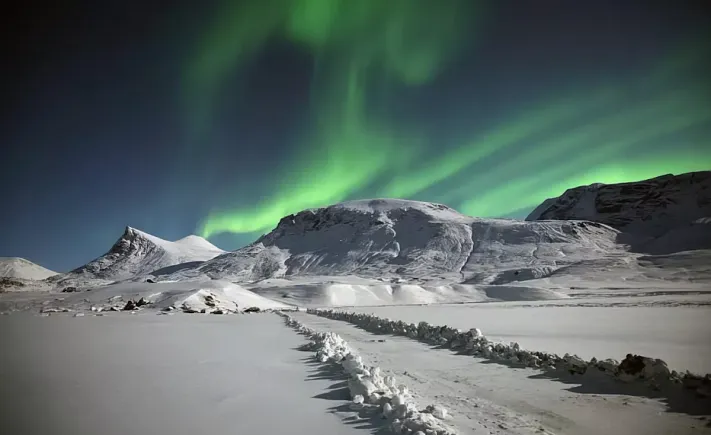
(594, 166)
(352, 42)
(518, 163)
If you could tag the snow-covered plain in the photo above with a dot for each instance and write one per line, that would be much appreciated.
(677, 335)
(162, 375)
(491, 398)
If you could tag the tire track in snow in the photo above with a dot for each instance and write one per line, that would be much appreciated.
(504, 399)
(469, 412)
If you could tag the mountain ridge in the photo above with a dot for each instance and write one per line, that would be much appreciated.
(137, 253)
(660, 215)
(415, 241)
(17, 267)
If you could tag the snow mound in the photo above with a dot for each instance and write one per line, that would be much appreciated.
(354, 291)
(15, 267)
(651, 371)
(661, 215)
(137, 254)
(189, 296)
(369, 388)
(411, 240)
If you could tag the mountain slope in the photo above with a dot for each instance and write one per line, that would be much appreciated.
(392, 239)
(137, 253)
(15, 267)
(660, 215)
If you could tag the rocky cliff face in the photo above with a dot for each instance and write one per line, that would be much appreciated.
(664, 214)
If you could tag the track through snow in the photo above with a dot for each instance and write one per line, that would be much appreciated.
(496, 399)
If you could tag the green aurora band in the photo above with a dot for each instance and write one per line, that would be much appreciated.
(356, 45)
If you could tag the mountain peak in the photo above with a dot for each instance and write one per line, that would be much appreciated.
(138, 253)
(664, 214)
(17, 267)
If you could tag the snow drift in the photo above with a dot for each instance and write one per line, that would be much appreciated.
(651, 371)
(15, 267)
(189, 296)
(138, 254)
(347, 291)
(369, 388)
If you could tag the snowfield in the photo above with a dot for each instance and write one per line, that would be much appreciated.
(494, 398)
(677, 335)
(162, 375)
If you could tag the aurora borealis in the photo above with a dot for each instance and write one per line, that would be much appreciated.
(361, 46)
(223, 118)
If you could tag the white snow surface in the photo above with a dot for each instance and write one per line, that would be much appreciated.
(370, 390)
(495, 398)
(161, 375)
(324, 291)
(193, 295)
(138, 254)
(675, 334)
(15, 267)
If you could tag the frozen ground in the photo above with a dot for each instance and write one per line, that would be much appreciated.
(146, 374)
(677, 334)
(493, 398)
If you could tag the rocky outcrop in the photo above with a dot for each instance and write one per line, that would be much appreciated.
(663, 214)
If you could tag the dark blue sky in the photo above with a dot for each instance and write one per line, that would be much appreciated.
(93, 120)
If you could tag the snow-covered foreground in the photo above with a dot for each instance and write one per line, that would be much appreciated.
(146, 374)
(678, 335)
(494, 398)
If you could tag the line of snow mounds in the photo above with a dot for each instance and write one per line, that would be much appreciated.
(370, 389)
(633, 368)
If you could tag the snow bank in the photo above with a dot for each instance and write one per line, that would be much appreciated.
(651, 371)
(369, 388)
(328, 291)
(190, 296)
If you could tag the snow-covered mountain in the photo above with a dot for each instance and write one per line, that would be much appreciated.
(394, 239)
(136, 254)
(15, 267)
(665, 214)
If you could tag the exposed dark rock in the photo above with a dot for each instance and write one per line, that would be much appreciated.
(252, 310)
(130, 305)
(69, 290)
(210, 301)
(6, 282)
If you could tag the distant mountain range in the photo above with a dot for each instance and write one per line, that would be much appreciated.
(137, 254)
(392, 239)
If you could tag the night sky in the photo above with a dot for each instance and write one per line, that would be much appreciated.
(220, 117)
